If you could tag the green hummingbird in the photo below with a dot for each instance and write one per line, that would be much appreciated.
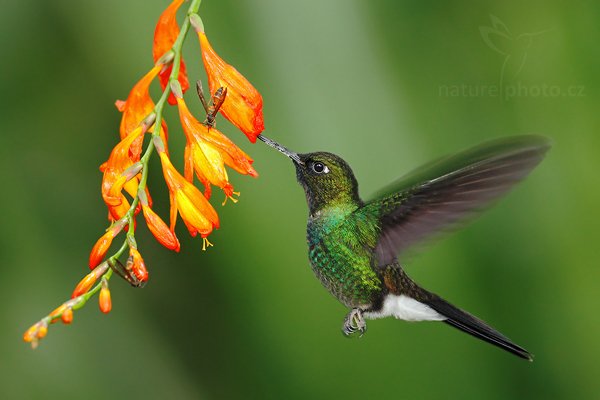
(353, 245)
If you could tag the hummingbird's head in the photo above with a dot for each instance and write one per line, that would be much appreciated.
(326, 178)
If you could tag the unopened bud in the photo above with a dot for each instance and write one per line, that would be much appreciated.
(67, 316)
(30, 334)
(104, 300)
(42, 331)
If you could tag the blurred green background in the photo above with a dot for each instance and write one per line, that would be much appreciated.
(386, 84)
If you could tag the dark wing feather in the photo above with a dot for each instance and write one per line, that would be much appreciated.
(442, 193)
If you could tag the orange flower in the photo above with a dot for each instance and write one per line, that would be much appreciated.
(165, 35)
(135, 264)
(104, 300)
(197, 213)
(137, 107)
(118, 162)
(160, 230)
(243, 105)
(207, 151)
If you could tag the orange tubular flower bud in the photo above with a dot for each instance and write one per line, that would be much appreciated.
(88, 281)
(67, 316)
(243, 104)
(84, 285)
(160, 230)
(103, 244)
(197, 213)
(104, 300)
(165, 34)
(42, 331)
(29, 334)
(60, 310)
(100, 248)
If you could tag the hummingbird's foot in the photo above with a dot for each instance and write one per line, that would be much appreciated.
(354, 322)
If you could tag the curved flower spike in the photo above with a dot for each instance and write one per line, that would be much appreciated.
(165, 34)
(243, 105)
(197, 213)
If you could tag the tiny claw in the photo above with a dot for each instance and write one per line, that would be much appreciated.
(353, 322)
(206, 244)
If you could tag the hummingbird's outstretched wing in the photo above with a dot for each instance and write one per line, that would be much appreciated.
(442, 193)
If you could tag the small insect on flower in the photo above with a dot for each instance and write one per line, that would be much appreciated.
(207, 151)
(243, 105)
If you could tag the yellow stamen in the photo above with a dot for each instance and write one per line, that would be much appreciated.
(206, 243)
(230, 196)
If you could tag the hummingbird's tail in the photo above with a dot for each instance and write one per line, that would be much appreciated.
(474, 326)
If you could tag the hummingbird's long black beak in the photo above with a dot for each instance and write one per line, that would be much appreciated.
(293, 156)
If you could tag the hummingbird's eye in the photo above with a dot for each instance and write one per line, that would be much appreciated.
(320, 168)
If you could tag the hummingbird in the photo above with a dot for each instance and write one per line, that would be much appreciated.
(354, 246)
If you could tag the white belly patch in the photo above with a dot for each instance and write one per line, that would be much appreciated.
(406, 308)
